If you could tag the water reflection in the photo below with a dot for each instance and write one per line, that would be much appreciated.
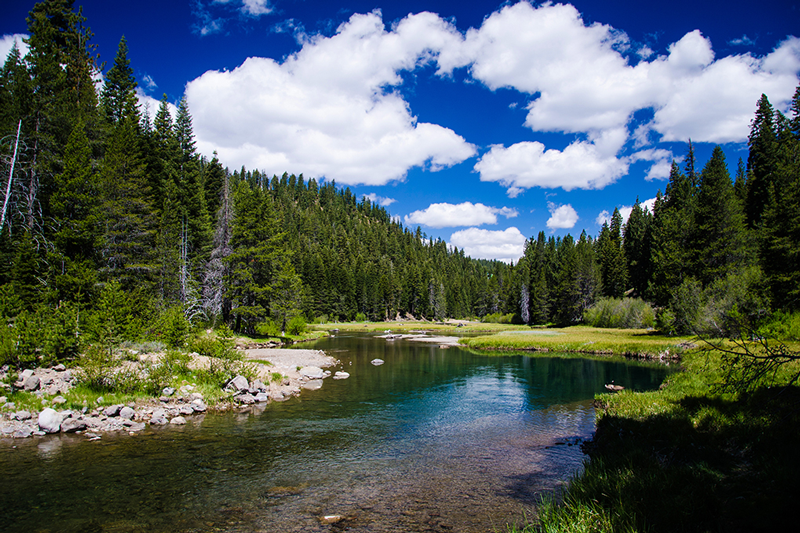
(431, 440)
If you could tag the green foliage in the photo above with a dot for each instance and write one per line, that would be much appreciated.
(620, 313)
(499, 318)
(296, 326)
(361, 317)
(276, 377)
(172, 327)
(268, 328)
(782, 326)
(722, 308)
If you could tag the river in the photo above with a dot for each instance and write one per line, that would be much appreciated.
(432, 440)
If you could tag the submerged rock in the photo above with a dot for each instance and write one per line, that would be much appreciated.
(314, 384)
(341, 375)
(377, 362)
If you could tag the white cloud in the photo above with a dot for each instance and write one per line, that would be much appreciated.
(625, 210)
(148, 82)
(465, 214)
(256, 7)
(506, 246)
(714, 101)
(380, 200)
(150, 105)
(662, 163)
(581, 165)
(329, 110)
(7, 43)
(561, 216)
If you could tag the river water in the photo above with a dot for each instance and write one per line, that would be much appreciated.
(432, 440)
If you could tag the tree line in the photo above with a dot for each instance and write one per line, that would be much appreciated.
(110, 216)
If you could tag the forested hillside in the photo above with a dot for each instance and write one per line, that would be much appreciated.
(113, 225)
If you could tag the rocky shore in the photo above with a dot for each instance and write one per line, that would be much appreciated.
(300, 370)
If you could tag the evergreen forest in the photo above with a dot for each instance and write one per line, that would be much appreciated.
(114, 227)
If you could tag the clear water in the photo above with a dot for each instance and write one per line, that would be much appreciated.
(433, 440)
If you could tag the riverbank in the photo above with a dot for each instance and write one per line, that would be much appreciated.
(689, 457)
(46, 401)
(629, 343)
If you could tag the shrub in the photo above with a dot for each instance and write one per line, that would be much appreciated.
(268, 328)
(500, 318)
(173, 327)
(361, 317)
(296, 326)
(622, 313)
(725, 308)
(782, 326)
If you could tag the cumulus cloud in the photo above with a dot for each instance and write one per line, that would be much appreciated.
(581, 165)
(581, 81)
(329, 110)
(7, 43)
(662, 162)
(561, 216)
(465, 214)
(149, 105)
(380, 200)
(604, 217)
(507, 245)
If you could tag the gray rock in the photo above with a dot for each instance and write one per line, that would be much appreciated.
(262, 397)
(136, 426)
(159, 418)
(246, 399)
(112, 410)
(71, 425)
(7, 429)
(312, 372)
(3, 400)
(186, 410)
(195, 396)
(25, 374)
(127, 413)
(67, 376)
(50, 421)
(178, 421)
(258, 386)
(377, 362)
(238, 383)
(31, 383)
(23, 433)
(168, 391)
(276, 396)
(59, 368)
(198, 405)
(341, 375)
(21, 415)
(314, 384)
(59, 400)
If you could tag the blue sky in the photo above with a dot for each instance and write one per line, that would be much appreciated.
(482, 122)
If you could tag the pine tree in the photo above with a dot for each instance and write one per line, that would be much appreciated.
(636, 246)
(761, 160)
(722, 242)
(120, 86)
(612, 257)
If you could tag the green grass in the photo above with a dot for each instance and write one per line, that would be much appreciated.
(687, 458)
(583, 339)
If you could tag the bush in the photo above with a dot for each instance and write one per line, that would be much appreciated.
(361, 317)
(268, 328)
(173, 328)
(782, 326)
(624, 313)
(725, 308)
(296, 326)
(500, 318)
